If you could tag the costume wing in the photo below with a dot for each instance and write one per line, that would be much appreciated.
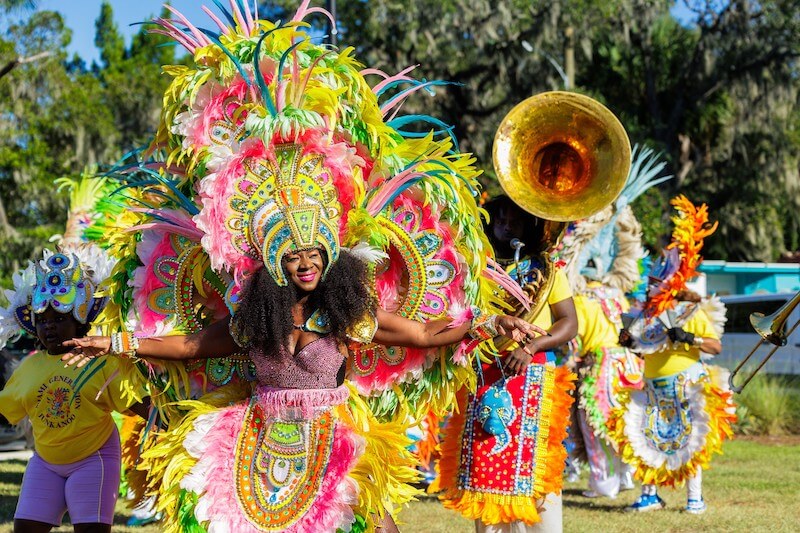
(424, 222)
(163, 283)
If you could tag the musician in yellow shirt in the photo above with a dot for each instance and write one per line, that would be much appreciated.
(502, 451)
(606, 370)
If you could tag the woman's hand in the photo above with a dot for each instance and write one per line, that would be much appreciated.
(519, 330)
(85, 349)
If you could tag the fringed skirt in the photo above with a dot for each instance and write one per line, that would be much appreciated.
(503, 478)
(282, 460)
(675, 424)
(608, 373)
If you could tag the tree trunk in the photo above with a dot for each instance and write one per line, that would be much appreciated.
(6, 229)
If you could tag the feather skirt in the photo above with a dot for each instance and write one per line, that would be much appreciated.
(675, 424)
(280, 460)
(504, 478)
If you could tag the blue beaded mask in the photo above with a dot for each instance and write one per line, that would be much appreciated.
(496, 409)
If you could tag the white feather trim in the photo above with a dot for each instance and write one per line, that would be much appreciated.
(636, 418)
(24, 282)
(716, 312)
(366, 253)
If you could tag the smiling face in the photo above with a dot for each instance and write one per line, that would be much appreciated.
(53, 328)
(304, 268)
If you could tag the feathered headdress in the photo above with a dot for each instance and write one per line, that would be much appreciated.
(681, 257)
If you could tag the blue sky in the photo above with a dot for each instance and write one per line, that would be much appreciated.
(80, 16)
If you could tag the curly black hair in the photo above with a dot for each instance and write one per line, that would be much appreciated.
(264, 315)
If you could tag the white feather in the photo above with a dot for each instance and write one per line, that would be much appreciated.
(366, 253)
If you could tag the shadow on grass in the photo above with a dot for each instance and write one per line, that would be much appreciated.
(574, 498)
(8, 502)
(13, 478)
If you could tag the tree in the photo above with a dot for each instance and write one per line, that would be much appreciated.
(132, 78)
(57, 117)
(720, 97)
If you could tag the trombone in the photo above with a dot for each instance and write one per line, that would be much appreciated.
(772, 329)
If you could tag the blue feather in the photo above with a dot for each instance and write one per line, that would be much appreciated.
(445, 128)
(228, 15)
(416, 84)
(399, 191)
(260, 81)
(242, 8)
(285, 56)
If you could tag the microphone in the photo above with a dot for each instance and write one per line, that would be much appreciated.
(517, 245)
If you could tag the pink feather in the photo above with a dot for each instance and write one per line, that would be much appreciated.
(222, 26)
(400, 76)
(180, 40)
(496, 273)
(240, 19)
(331, 508)
(198, 35)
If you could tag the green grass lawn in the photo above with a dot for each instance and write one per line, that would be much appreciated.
(754, 486)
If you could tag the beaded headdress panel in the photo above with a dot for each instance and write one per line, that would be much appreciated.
(62, 284)
(286, 203)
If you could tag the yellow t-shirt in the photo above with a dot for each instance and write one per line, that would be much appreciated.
(594, 327)
(559, 291)
(678, 357)
(64, 431)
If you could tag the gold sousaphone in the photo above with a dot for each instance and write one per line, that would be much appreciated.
(561, 156)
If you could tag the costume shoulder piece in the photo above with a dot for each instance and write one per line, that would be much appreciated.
(607, 246)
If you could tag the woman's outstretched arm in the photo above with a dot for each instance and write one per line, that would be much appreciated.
(212, 341)
(394, 330)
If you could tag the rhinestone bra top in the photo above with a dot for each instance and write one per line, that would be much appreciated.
(315, 366)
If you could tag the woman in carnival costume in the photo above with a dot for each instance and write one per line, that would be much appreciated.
(601, 256)
(502, 450)
(76, 463)
(273, 156)
(669, 430)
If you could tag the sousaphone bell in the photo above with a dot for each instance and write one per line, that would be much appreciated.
(560, 156)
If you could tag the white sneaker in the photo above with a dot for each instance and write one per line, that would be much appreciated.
(695, 506)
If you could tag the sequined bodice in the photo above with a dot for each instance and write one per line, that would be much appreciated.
(315, 366)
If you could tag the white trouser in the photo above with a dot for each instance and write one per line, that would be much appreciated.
(694, 487)
(551, 521)
(607, 473)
